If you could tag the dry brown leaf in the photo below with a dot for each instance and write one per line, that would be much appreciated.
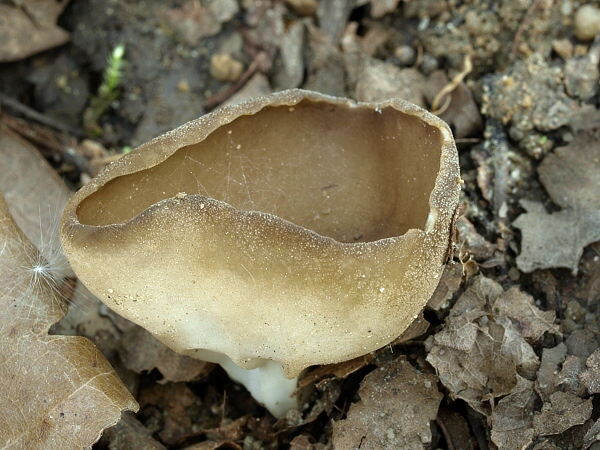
(180, 406)
(511, 421)
(515, 345)
(569, 376)
(397, 404)
(547, 382)
(480, 351)
(591, 377)
(141, 351)
(325, 64)
(57, 392)
(592, 435)
(554, 240)
(562, 412)
(29, 27)
(473, 242)
(479, 374)
(214, 445)
(303, 443)
(338, 370)
(450, 282)
(192, 21)
(482, 291)
(529, 320)
(416, 329)
(130, 434)
(28, 181)
(571, 175)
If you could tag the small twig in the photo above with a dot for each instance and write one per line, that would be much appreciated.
(467, 140)
(216, 99)
(262, 59)
(521, 29)
(453, 84)
(419, 58)
(440, 423)
(39, 117)
(47, 142)
(261, 63)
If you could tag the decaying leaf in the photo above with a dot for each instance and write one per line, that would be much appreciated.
(418, 328)
(569, 175)
(179, 404)
(140, 351)
(547, 382)
(473, 242)
(193, 21)
(569, 376)
(554, 240)
(338, 370)
(562, 412)
(30, 27)
(572, 172)
(530, 321)
(581, 342)
(511, 421)
(592, 435)
(397, 403)
(449, 284)
(591, 377)
(303, 443)
(28, 181)
(130, 434)
(214, 445)
(482, 349)
(57, 392)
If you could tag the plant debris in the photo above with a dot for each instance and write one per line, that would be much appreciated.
(557, 239)
(57, 392)
(511, 335)
(397, 404)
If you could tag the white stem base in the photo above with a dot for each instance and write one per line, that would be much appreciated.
(266, 384)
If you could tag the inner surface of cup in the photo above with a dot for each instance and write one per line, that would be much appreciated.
(352, 173)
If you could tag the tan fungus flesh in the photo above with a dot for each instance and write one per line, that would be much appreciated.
(294, 227)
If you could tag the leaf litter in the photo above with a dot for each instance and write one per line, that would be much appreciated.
(397, 404)
(570, 175)
(57, 392)
(504, 368)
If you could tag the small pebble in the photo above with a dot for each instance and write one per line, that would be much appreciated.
(429, 63)
(224, 67)
(563, 48)
(587, 23)
(514, 274)
(183, 86)
(406, 55)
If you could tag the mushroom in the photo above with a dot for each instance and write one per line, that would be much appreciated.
(291, 230)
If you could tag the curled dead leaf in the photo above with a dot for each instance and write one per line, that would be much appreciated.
(57, 392)
(396, 407)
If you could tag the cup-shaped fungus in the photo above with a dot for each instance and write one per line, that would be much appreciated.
(290, 230)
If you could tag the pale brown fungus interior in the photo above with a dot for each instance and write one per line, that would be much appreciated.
(352, 174)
